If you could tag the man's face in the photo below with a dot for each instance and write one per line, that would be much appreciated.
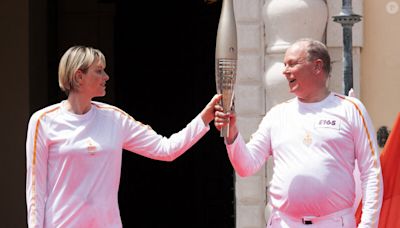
(299, 71)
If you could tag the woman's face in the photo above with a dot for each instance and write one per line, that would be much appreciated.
(93, 82)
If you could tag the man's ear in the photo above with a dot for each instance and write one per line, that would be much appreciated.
(318, 65)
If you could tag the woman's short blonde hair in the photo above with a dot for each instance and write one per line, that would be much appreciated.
(76, 58)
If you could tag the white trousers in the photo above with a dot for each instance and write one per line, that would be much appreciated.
(344, 218)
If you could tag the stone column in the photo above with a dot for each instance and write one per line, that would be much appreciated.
(285, 21)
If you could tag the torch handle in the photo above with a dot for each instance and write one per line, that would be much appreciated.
(225, 131)
(227, 104)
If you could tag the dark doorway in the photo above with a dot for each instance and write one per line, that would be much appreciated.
(164, 64)
(160, 57)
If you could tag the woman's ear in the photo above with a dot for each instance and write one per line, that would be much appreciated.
(78, 77)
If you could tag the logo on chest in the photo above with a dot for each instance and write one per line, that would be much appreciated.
(91, 147)
(328, 122)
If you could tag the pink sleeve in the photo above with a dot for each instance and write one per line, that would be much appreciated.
(248, 158)
(367, 154)
(143, 140)
(36, 172)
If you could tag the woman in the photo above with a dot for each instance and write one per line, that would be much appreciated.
(74, 148)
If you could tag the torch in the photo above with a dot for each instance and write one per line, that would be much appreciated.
(226, 58)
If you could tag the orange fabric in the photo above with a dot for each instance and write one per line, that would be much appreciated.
(390, 164)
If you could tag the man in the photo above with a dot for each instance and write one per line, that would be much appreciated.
(314, 140)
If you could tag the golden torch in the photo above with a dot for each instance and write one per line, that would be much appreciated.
(226, 58)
